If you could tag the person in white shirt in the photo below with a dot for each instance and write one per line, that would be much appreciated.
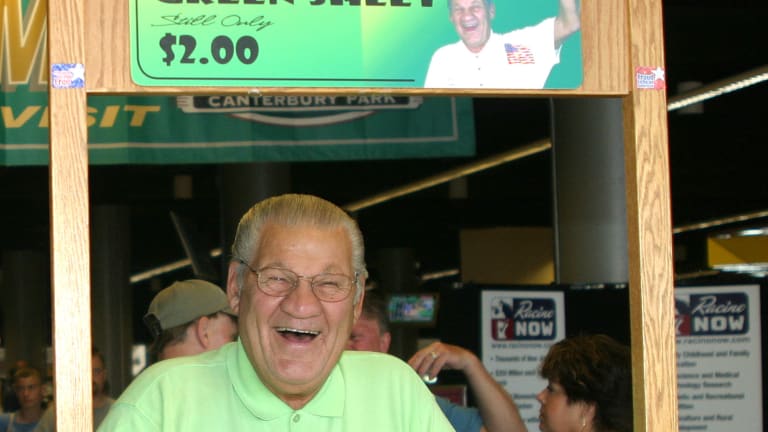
(520, 59)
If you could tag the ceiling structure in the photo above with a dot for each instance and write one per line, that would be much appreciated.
(717, 157)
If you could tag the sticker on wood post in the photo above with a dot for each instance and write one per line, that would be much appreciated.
(650, 78)
(67, 75)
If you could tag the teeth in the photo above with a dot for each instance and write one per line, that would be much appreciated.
(292, 330)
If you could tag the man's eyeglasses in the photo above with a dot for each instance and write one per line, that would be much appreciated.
(279, 282)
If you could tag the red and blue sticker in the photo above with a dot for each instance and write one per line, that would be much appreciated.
(650, 78)
(67, 75)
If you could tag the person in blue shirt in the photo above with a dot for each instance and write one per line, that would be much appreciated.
(495, 411)
(28, 386)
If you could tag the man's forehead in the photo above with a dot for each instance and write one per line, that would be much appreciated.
(28, 381)
(333, 249)
(273, 228)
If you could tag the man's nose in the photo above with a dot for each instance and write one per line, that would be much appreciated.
(302, 299)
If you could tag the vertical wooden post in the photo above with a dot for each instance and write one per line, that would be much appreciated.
(649, 225)
(70, 254)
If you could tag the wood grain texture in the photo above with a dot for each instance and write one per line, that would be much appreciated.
(603, 36)
(69, 200)
(649, 224)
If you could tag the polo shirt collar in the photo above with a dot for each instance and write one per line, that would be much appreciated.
(258, 399)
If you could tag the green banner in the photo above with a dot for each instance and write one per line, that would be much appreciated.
(356, 43)
(216, 129)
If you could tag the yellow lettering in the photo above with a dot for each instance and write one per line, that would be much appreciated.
(16, 122)
(140, 113)
(105, 117)
(110, 115)
(91, 120)
(24, 38)
(44, 118)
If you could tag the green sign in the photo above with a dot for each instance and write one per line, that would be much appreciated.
(216, 129)
(221, 129)
(350, 43)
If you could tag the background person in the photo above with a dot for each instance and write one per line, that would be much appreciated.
(10, 402)
(102, 402)
(590, 386)
(520, 59)
(496, 410)
(371, 331)
(296, 282)
(28, 386)
(189, 317)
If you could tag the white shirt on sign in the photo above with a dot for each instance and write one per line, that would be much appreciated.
(520, 59)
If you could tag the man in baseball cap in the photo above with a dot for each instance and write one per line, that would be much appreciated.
(189, 317)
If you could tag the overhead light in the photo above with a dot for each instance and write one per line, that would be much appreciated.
(452, 174)
(684, 87)
(718, 88)
(696, 274)
(737, 253)
(758, 270)
(169, 267)
(753, 232)
(721, 221)
(747, 232)
(439, 274)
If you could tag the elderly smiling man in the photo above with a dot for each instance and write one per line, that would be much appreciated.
(296, 281)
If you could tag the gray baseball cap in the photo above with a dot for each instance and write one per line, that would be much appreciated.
(184, 302)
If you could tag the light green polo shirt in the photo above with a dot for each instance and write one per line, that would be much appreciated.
(220, 391)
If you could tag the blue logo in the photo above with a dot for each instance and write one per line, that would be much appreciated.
(712, 314)
(523, 319)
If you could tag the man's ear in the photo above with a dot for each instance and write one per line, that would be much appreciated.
(359, 306)
(201, 331)
(233, 290)
(384, 341)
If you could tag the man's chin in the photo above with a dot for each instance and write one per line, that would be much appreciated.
(474, 44)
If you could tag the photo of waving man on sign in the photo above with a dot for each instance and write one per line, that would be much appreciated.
(482, 58)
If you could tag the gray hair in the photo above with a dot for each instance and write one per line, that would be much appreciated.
(296, 210)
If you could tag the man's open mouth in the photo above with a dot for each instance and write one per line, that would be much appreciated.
(297, 334)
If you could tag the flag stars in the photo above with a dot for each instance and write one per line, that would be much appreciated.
(658, 73)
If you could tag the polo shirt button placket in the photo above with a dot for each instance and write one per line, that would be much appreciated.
(296, 417)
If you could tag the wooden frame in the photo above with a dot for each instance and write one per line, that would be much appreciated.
(619, 37)
(605, 60)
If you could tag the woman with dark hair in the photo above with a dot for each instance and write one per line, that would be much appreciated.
(590, 386)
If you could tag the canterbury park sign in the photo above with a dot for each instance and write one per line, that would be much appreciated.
(216, 129)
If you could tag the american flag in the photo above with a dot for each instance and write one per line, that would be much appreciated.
(518, 54)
